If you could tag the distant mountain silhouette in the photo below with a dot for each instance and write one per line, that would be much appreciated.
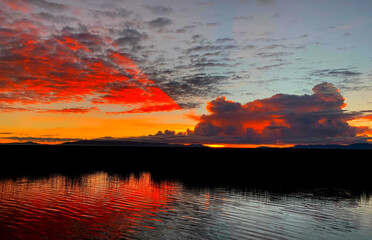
(126, 143)
(21, 143)
(336, 146)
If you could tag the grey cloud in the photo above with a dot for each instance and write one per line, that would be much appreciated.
(130, 37)
(158, 9)
(338, 72)
(271, 66)
(187, 28)
(116, 13)
(160, 22)
(210, 47)
(184, 89)
(49, 5)
(197, 37)
(224, 40)
(56, 18)
(89, 40)
(273, 54)
(213, 24)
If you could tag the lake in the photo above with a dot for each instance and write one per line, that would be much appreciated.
(100, 205)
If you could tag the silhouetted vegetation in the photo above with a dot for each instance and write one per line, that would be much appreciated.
(246, 168)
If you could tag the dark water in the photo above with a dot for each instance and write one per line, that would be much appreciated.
(101, 206)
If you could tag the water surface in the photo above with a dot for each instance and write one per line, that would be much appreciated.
(102, 206)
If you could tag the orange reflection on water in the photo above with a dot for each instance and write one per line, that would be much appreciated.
(94, 206)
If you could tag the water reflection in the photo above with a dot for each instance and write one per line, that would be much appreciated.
(100, 206)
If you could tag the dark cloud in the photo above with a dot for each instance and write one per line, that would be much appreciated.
(130, 37)
(160, 22)
(185, 89)
(224, 40)
(265, 54)
(213, 24)
(271, 66)
(204, 62)
(210, 47)
(186, 29)
(158, 9)
(56, 18)
(339, 72)
(116, 13)
(282, 118)
(51, 6)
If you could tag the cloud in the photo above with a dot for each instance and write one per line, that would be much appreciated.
(186, 29)
(71, 66)
(160, 22)
(27, 5)
(271, 66)
(338, 72)
(55, 18)
(158, 9)
(243, 18)
(265, 54)
(130, 37)
(70, 110)
(210, 47)
(7, 108)
(51, 6)
(280, 119)
(114, 13)
(184, 89)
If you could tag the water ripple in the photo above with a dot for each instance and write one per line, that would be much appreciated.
(100, 206)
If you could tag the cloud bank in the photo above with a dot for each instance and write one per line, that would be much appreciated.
(280, 119)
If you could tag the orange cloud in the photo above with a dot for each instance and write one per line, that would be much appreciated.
(70, 110)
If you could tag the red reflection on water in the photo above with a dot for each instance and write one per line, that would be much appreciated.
(98, 206)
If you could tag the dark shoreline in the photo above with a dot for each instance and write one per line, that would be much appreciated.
(272, 168)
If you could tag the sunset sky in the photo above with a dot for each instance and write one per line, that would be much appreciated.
(244, 72)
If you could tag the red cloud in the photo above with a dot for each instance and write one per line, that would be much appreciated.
(69, 68)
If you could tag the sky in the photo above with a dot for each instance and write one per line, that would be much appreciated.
(242, 73)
